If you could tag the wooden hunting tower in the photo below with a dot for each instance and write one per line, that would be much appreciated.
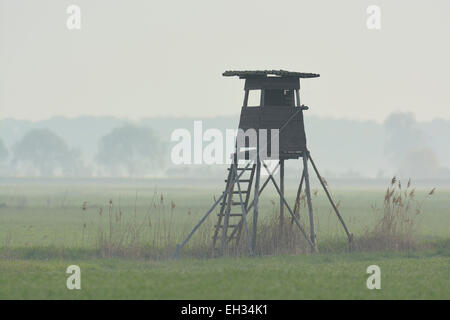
(279, 109)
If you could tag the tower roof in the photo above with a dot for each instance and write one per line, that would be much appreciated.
(265, 73)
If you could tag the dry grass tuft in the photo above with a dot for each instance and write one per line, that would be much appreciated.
(155, 234)
(396, 228)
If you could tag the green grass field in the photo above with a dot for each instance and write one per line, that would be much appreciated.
(422, 275)
(45, 228)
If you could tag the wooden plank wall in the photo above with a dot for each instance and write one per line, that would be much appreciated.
(289, 120)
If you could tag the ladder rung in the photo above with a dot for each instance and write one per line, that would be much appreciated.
(240, 180)
(248, 169)
(229, 226)
(231, 214)
(233, 203)
(219, 237)
(242, 191)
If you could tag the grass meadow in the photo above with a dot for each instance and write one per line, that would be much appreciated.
(123, 237)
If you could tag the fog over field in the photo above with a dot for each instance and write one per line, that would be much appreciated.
(346, 149)
(379, 108)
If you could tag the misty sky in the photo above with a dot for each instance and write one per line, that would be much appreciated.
(165, 58)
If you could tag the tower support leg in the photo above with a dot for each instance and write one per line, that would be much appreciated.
(336, 210)
(289, 209)
(179, 247)
(312, 233)
(221, 198)
(297, 198)
(255, 202)
(281, 196)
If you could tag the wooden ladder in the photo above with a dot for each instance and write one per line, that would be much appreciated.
(230, 217)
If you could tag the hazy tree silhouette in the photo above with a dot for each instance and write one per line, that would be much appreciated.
(133, 150)
(3, 151)
(46, 152)
(402, 135)
(408, 149)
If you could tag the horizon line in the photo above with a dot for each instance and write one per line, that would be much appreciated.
(190, 117)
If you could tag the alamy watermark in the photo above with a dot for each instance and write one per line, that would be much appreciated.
(212, 146)
(74, 280)
(73, 21)
(374, 280)
(373, 21)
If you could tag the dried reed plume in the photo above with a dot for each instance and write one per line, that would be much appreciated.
(396, 229)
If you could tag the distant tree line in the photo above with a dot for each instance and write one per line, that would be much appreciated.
(125, 151)
(408, 148)
(132, 150)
